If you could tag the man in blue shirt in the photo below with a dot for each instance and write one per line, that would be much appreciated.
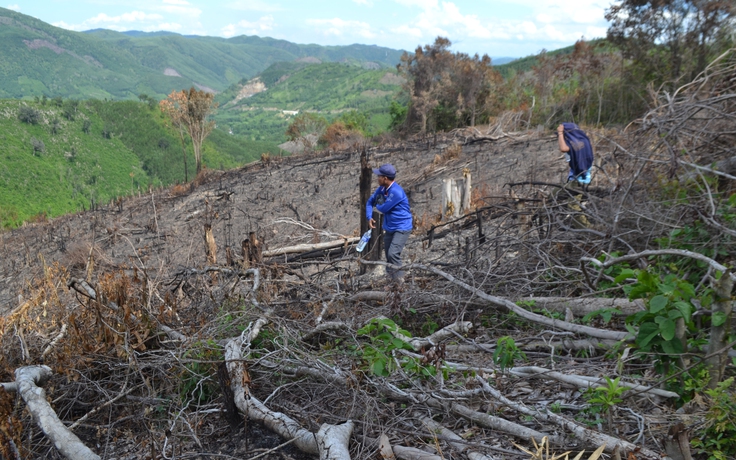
(391, 200)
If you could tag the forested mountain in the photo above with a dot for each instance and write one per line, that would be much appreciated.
(39, 59)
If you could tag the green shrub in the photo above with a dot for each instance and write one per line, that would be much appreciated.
(717, 438)
(38, 146)
(507, 352)
(29, 115)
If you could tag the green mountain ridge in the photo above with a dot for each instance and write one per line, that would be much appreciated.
(39, 59)
(255, 108)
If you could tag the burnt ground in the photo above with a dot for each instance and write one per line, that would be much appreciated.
(165, 227)
(286, 201)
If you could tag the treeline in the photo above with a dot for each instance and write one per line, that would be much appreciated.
(650, 45)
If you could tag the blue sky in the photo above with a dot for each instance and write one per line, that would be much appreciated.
(498, 28)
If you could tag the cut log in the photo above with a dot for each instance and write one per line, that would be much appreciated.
(68, 444)
(310, 247)
(333, 440)
(500, 424)
(456, 442)
(385, 449)
(583, 306)
(579, 306)
(524, 313)
(586, 381)
(591, 437)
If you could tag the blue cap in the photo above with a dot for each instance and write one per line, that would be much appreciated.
(387, 170)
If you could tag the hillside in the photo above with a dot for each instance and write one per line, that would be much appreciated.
(61, 156)
(254, 108)
(234, 317)
(517, 66)
(38, 59)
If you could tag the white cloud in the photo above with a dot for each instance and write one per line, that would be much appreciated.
(14, 7)
(595, 32)
(407, 31)
(182, 9)
(132, 17)
(340, 27)
(424, 4)
(126, 21)
(527, 28)
(264, 24)
(66, 26)
(363, 2)
(447, 20)
(170, 26)
(255, 5)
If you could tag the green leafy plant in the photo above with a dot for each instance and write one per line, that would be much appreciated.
(507, 353)
(668, 301)
(717, 437)
(429, 326)
(605, 314)
(379, 353)
(197, 383)
(604, 399)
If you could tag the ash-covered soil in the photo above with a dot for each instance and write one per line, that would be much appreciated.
(275, 200)
(287, 201)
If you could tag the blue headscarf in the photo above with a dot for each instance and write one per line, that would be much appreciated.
(581, 150)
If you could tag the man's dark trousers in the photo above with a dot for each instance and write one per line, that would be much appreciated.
(394, 243)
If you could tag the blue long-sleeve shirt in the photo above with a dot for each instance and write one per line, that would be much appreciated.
(394, 206)
(581, 150)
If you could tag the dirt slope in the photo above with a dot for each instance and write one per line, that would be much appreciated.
(165, 227)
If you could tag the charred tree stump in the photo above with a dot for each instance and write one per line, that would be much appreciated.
(210, 247)
(375, 245)
(366, 174)
(252, 250)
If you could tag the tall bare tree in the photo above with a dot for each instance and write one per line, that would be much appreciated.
(190, 109)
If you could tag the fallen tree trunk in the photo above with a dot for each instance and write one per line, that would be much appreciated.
(563, 344)
(592, 437)
(524, 313)
(333, 440)
(583, 381)
(310, 247)
(583, 306)
(392, 452)
(456, 442)
(277, 422)
(579, 306)
(68, 444)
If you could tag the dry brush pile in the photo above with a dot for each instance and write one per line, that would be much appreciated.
(576, 319)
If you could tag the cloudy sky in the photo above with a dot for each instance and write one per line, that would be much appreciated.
(513, 28)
